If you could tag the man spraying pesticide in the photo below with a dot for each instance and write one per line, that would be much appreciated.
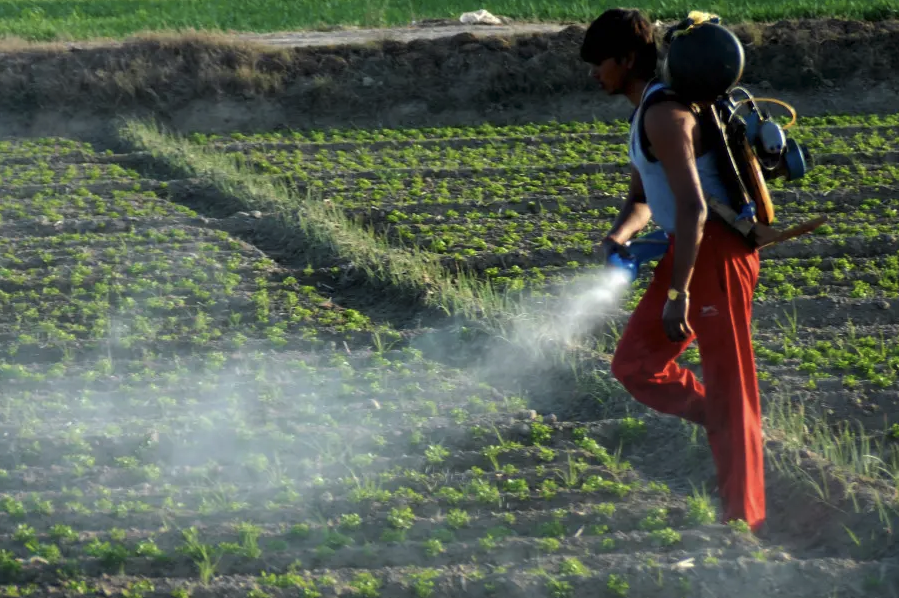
(698, 170)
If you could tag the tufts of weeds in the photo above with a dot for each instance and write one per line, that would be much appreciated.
(205, 557)
(699, 508)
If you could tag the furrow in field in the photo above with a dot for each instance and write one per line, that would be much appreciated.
(850, 170)
(466, 151)
(792, 201)
(812, 128)
(661, 573)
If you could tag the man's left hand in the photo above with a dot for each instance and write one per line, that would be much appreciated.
(674, 320)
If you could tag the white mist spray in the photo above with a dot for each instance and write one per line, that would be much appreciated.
(592, 301)
(545, 325)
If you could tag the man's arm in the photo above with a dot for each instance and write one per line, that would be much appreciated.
(669, 127)
(634, 214)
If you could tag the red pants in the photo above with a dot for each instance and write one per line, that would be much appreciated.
(727, 405)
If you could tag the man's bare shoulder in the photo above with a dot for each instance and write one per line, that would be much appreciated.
(669, 119)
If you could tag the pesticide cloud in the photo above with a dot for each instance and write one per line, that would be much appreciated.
(565, 320)
(542, 344)
(592, 302)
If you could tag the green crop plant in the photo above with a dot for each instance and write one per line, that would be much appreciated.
(434, 547)
(739, 526)
(435, 454)
(655, 519)
(559, 588)
(549, 545)
(573, 566)
(306, 586)
(137, 589)
(350, 521)
(205, 557)
(423, 582)
(571, 475)
(249, 540)
(457, 518)
(366, 585)
(665, 536)
(699, 508)
(112, 556)
(617, 585)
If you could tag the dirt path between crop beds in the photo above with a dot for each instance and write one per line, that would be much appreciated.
(415, 76)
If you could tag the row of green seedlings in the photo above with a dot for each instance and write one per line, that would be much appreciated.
(79, 460)
(113, 554)
(398, 187)
(523, 194)
(82, 203)
(788, 278)
(76, 301)
(399, 518)
(391, 382)
(859, 358)
(500, 234)
(488, 130)
(44, 147)
(863, 278)
(509, 153)
(42, 173)
(782, 279)
(866, 218)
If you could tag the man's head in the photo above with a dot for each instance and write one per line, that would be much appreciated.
(621, 48)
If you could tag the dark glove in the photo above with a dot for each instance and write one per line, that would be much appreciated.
(608, 247)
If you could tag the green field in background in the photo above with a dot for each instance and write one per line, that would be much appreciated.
(81, 19)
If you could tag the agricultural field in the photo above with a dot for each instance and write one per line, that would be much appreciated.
(335, 363)
(183, 416)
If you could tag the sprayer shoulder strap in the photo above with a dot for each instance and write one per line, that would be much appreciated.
(727, 139)
(658, 96)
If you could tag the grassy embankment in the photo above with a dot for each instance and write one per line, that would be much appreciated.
(83, 19)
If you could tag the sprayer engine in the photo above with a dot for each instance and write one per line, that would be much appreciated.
(778, 155)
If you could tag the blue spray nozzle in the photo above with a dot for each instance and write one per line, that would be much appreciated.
(649, 247)
(628, 265)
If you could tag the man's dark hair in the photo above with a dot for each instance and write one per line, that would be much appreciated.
(616, 33)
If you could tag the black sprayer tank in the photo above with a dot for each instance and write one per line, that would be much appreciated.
(703, 62)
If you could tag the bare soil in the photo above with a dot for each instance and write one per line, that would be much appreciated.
(416, 76)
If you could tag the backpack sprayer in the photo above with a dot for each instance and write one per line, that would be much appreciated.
(777, 155)
(703, 64)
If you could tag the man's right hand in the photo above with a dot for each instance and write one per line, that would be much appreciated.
(608, 247)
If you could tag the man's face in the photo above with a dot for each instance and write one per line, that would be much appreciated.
(611, 75)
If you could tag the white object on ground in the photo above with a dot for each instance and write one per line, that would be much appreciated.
(479, 17)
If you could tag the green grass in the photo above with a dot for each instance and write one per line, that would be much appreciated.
(329, 227)
(80, 19)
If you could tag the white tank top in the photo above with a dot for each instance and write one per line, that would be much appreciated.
(659, 196)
